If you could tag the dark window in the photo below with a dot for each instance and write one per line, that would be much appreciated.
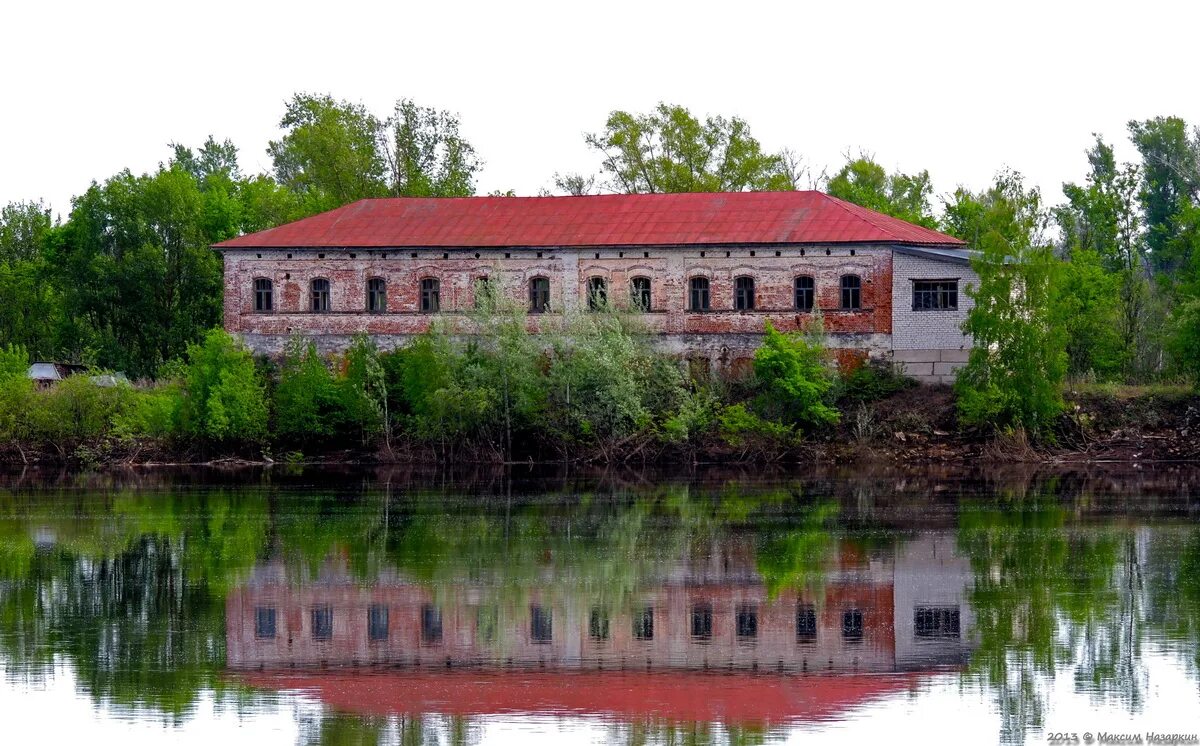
(702, 621)
(376, 295)
(320, 296)
(597, 293)
(431, 624)
(264, 623)
(936, 621)
(643, 624)
(806, 623)
(541, 624)
(743, 293)
(377, 623)
(539, 295)
(639, 293)
(263, 297)
(747, 622)
(322, 623)
(700, 294)
(483, 292)
(852, 624)
(598, 624)
(851, 292)
(805, 293)
(935, 295)
(431, 295)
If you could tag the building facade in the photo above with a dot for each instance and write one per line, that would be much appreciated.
(703, 271)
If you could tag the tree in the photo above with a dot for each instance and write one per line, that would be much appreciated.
(1171, 181)
(427, 157)
(1016, 368)
(1091, 312)
(670, 150)
(330, 152)
(864, 182)
(795, 381)
(225, 401)
(23, 229)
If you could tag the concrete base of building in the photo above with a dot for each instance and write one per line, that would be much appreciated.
(930, 366)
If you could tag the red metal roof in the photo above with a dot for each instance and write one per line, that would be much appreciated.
(600, 220)
(676, 696)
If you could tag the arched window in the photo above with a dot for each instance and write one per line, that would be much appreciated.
(264, 300)
(483, 292)
(431, 295)
(539, 295)
(639, 294)
(376, 295)
(851, 292)
(743, 293)
(699, 287)
(597, 293)
(320, 295)
(805, 292)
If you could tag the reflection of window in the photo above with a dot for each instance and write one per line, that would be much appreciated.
(852, 624)
(487, 619)
(377, 623)
(541, 624)
(743, 293)
(639, 293)
(805, 293)
(702, 621)
(322, 622)
(699, 287)
(431, 624)
(936, 621)
(806, 623)
(643, 624)
(598, 624)
(935, 295)
(264, 623)
(747, 622)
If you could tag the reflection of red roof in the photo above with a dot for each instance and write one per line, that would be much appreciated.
(672, 695)
(599, 220)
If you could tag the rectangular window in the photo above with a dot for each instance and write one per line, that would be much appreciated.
(263, 297)
(377, 623)
(541, 624)
(805, 293)
(431, 295)
(702, 621)
(806, 623)
(431, 624)
(700, 300)
(747, 622)
(598, 624)
(639, 294)
(851, 292)
(935, 295)
(643, 624)
(322, 623)
(936, 621)
(376, 295)
(743, 293)
(320, 296)
(539, 295)
(264, 623)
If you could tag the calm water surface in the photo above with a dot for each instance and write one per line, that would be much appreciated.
(362, 608)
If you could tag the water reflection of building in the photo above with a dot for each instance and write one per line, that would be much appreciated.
(877, 613)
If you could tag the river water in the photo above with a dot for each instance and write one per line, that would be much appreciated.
(837, 606)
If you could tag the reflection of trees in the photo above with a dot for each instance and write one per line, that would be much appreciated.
(1173, 593)
(1048, 598)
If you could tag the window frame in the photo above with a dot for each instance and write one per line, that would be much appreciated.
(265, 622)
(597, 293)
(699, 284)
(701, 617)
(431, 295)
(541, 624)
(853, 624)
(375, 614)
(320, 301)
(937, 292)
(806, 623)
(322, 623)
(811, 292)
(260, 292)
(851, 292)
(539, 294)
(643, 624)
(376, 298)
(743, 293)
(641, 299)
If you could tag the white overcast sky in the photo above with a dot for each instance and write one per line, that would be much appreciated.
(960, 88)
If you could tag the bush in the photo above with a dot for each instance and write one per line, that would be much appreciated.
(742, 428)
(76, 411)
(151, 412)
(16, 393)
(1185, 339)
(308, 404)
(870, 383)
(224, 399)
(794, 381)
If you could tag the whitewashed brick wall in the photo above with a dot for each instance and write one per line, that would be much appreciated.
(928, 330)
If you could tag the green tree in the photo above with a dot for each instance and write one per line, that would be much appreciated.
(23, 229)
(795, 380)
(670, 150)
(427, 157)
(1185, 339)
(309, 407)
(1016, 369)
(224, 399)
(1090, 308)
(864, 182)
(1171, 182)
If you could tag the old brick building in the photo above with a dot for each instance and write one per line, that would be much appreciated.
(704, 271)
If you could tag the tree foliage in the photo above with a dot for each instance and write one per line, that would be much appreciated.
(226, 399)
(795, 379)
(865, 182)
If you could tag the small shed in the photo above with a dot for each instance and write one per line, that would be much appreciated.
(47, 374)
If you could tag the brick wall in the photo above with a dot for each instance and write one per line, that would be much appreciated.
(929, 345)
(722, 333)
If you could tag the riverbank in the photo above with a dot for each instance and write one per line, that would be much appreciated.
(913, 425)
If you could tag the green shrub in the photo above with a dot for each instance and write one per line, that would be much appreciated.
(308, 403)
(693, 418)
(794, 381)
(871, 382)
(224, 399)
(1185, 339)
(740, 428)
(76, 410)
(16, 393)
(151, 413)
